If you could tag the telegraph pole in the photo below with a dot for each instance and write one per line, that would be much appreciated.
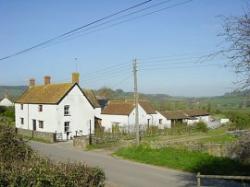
(136, 98)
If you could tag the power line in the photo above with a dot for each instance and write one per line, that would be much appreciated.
(126, 20)
(74, 30)
(69, 34)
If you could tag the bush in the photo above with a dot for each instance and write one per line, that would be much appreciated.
(242, 149)
(20, 166)
(201, 127)
(240, 120)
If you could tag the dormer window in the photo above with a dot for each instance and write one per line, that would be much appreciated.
(40, 108)
(66, 110)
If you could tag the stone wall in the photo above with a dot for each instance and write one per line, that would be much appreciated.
(36, 135)
(81, 142)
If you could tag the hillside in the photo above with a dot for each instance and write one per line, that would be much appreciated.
(12, 91)
(234, 100)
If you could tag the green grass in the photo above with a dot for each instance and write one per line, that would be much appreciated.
(102, 146)
(221, 139)
(184, 160)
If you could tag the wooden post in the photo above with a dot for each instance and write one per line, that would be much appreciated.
(198, 179)
(90, 136)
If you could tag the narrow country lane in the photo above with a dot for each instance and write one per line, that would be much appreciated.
(118, 172)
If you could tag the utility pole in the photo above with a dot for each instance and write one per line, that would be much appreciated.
(136, 99)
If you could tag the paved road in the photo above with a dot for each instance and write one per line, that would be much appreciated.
(118, 172)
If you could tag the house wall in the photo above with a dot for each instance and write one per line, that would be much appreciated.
(109, 120)
(124, 120)
(205, 119)
(30, 112)
(81, 114)
(165, 122)
(6, 102)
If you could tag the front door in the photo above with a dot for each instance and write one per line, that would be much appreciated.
(34, 124)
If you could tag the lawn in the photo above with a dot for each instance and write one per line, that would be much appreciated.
(184, 160)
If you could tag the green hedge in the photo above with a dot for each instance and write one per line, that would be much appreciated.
(21, 167)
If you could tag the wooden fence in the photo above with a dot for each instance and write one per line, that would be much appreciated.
(239, 178)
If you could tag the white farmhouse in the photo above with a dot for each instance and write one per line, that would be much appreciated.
(6, 102)
(196, 116)
(122, 113)
(64, 109)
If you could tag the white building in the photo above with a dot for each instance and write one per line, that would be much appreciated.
(6, 102)
(122, 113)
(188, 117)
(64, 109)
(196, 116)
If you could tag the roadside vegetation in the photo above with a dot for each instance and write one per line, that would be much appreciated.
(184, 160)
(20, 166)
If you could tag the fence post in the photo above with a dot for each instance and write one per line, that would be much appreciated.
(198, 179)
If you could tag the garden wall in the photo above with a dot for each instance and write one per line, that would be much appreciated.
(36, 135)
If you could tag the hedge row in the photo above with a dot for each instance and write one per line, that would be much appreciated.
(21, 167)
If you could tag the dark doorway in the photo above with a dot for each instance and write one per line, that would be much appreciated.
(34, 124)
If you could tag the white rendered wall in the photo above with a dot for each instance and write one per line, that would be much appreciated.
(81, 114)
(6, 102)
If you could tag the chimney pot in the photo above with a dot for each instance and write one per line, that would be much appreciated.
(32, 82)
(75, 77)
(47, 80)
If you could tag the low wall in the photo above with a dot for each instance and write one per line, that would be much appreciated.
(220, 150)
(81, 142)
(36, 135)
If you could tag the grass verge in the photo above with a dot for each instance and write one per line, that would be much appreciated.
(184, 160)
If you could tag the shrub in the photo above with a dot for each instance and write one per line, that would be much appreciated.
(242, 149)
(20, 166)
(240, 120)
(201, 127)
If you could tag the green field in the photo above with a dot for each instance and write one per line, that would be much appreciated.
(184, 160)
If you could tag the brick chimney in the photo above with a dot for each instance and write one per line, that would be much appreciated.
(75, 77)
(32, 82)
(47, 80)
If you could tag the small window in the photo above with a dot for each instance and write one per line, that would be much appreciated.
(21, 106)
(22, 121)
(41, 124)
(40, 108)
(66, 126)
(66, 110)
(160, 121)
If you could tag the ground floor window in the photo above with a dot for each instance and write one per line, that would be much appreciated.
(66, 126)
(41, 124)
(160, 121)
(22, 121)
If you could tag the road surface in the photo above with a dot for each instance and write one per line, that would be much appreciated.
(119, 173)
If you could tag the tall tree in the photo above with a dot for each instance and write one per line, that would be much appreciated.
(237, 36)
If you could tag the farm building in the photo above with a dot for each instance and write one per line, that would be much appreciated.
(64, 109)
(122, 113)
(6, 102)
(186, 116)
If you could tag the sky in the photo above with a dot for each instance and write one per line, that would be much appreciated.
(166, 44)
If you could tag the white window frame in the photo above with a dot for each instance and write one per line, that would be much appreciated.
(40, 108)
(22, 121)
(40, 124)
(66, 125)
(66, 110)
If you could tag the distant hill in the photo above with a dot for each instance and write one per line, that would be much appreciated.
(13, 92)
(234, 100)
(239, 93)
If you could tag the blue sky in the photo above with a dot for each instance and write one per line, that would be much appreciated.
(164, 43)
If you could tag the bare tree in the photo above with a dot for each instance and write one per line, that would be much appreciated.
(237, 36)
